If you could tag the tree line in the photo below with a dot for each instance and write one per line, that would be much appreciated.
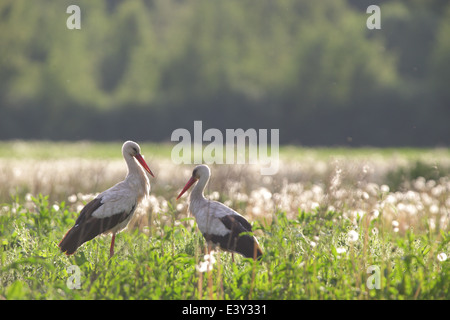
(139, 69)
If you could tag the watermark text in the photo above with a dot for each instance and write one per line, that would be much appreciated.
(237, 151)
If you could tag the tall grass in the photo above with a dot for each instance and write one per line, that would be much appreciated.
(309, 257)
(330, 228)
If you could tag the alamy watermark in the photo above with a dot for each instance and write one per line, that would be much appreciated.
(258, 150)
(374, 281)
(374, 21)
(74, 281)
(74, 20)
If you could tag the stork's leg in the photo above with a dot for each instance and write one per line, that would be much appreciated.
(111, 249)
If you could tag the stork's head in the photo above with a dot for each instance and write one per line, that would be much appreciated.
(132, 149)
(201, 171)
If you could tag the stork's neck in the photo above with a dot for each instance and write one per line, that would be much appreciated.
(199, 188)
(136, 177)
(133, 167)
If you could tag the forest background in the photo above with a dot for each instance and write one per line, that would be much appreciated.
(139, 69)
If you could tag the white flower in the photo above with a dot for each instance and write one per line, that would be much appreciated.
(72, 198)
(434, 209)
(442, 256)
(314, 205)
(214, 195)
(210, 257)
(395, 225)
(207, 265)
(341, 250)
(391, 199)
(375, 214)
(204, 266)
(352, 236)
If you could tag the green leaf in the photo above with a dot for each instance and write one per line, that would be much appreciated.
(17, 290)
(334, 251)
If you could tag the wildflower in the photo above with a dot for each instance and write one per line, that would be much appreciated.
(265, 193)
(203, 267)
(207, 264)
(72, 198)
(214, 195)
(314, 205)
(442, 256)
(434, 209)
(256, 210)
(375, 213)
(352, 236)
(341, 250)
(395, 225)
(391, 199)
(431, 183)
(210, 257)
(419, 183)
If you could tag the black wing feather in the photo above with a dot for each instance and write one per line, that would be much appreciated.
(87, 227)
(236, 222)
(236, 241)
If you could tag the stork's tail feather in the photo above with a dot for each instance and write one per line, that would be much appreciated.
(72, 240)
(67, 244)
(248, 246)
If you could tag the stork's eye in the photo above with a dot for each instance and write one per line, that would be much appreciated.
(135, 150)
(194, 173)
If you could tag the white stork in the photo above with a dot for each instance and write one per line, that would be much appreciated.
(218, 223)
(112, 209)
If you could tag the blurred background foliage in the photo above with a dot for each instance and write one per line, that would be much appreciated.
(138, 69)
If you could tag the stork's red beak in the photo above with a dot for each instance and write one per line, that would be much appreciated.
(191, 181)
(144, 164)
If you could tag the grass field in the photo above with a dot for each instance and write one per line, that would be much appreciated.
(333, 224)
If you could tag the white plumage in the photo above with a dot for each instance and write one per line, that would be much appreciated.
(218, 223)
(112, 209)
(208, 214)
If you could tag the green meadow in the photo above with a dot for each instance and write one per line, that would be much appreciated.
(333, 223)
